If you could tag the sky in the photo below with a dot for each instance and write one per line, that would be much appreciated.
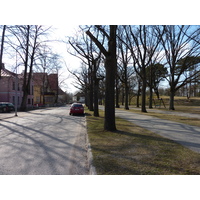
(67, 15)
(61, 32)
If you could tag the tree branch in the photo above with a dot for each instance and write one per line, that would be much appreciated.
(99, 45)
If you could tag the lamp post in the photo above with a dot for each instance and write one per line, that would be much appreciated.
(16, 89)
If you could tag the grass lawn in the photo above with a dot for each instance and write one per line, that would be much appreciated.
(132, 150)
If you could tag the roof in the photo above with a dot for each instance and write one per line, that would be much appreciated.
(7, 73)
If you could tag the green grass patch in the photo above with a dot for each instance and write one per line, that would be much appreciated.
(132, 150)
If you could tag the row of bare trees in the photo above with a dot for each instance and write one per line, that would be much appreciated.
(29, 43)
(148, 54)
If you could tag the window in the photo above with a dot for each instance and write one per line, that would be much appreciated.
(13, 85)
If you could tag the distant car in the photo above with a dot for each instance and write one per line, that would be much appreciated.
(6, 107)
(76, 108)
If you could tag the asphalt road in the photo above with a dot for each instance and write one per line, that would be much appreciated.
(47, 141)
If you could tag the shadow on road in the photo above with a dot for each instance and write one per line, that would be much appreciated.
(25, 144)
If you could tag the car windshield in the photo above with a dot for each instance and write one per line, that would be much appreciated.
(77, 105)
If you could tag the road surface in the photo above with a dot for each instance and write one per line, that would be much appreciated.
(45, 141)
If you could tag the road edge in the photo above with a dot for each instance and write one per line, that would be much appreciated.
(92, 170)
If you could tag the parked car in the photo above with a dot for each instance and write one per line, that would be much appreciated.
(6, 107)
(76, 108)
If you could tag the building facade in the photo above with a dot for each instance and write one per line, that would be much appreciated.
(11, 88)
(44, 89)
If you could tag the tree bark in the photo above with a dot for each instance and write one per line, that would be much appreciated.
(111, 69)
(117, 92)
(2, 44)
(126, 87)
(150, 98)
(96, 90)
(144, 83)
(171, 100)
(109, 120)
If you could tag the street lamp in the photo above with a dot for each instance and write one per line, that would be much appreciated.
(16, 88)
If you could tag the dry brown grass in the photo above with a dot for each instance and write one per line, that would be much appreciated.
(133, 150)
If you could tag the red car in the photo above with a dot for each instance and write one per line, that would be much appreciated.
(76, 108)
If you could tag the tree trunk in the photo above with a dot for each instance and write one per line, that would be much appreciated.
(171, 101)
(96, 90)
(126, 88)
(117, 97)
(144, 83)
(151, 88)
(138, 96)
(123, 95)
(150, 97)
(23, 103)
(126, 96)
(96, 104)
(2, 44)
(157, 93)
(111, 69)
(91, 83)
(109, 121)
(143, 108)
(25, 76)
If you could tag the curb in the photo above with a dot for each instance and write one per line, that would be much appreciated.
(92, 170)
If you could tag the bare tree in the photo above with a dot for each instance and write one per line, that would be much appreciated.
(143, 43)
(90, 55)
(111, 67)
(26, 42)
(124, 58)
(155, 74)
(179, 43)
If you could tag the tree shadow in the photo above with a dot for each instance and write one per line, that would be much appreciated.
(37, 148)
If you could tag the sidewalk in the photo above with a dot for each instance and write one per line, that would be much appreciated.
(186, 135)
(170, 112)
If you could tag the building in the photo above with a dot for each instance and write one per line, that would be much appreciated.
(46, 89)
(79, 97)
(8, 82)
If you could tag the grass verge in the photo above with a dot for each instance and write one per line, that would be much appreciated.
(132, 150)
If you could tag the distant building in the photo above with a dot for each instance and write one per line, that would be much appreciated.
(79, 97)
(46, 89)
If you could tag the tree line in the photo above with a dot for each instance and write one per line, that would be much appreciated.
(115, 61)
(116, 58)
